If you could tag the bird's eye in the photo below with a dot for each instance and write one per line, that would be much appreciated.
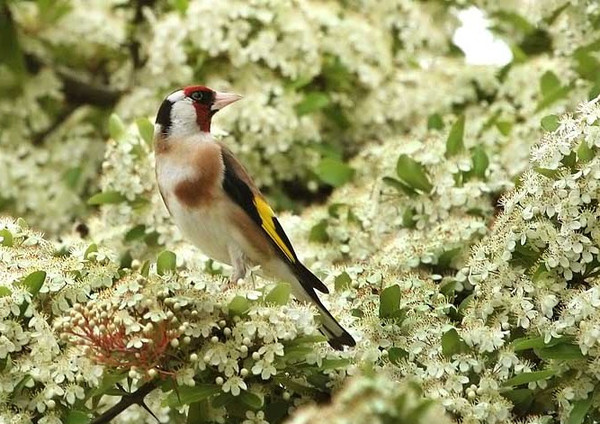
(197, 95)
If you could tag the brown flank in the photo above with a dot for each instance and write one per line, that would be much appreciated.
(262, 248)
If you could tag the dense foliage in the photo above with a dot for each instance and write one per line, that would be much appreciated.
(453, 210)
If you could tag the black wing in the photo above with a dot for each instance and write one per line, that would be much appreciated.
(237, 185)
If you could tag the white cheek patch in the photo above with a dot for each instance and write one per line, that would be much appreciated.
(176, 96)
(183, 119)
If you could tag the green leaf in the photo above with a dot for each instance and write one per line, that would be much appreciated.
(5, 291)
(584, 152)
(71, 177)
(318, 233)
(435, 122)
(452, 343)
(116, 128)
(594, 91)
(334, 172)
(565, 351)
(454, 143)
(550, 122)
(146, 130)
(570, 160)
(166, 262)
(515, 20)
(92, 248)
(198, 413)
(528, 377)
(222, 400)
(277, 411)
(181, 6)
(21, 384)
(587, 66)
(504, 127)
(396, 354)
(78, 417)
(106, 198)
(190, 394)
(549, 83)
(239, 305)
(109, 381)
(525, 343)
(280, 295)
(448, 288)
(549, 173)
(296, 354)
(251, 400)
(307, 340)
(332, 364)
(51, 11)
(551, 89)
(389, 301)
(448, 256)
(480, 162)
(408, 218)
(557, 95)
(342, 282)
(6, 238)
(413, 174)
(399, 185)
(312, 102)
(521, 398)
(136, 233)
(145, 268)
(300, 82)
(10, 50)
(465, 304)
(580, 410)
(34, 281)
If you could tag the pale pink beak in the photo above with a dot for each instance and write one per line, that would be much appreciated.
(224, 99)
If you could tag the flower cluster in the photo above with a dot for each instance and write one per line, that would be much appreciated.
(373, 399)
(490, 307)
(71, 324)
(40, 282)
(306, 95)
(46, 181)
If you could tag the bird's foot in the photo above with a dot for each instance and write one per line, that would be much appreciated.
(236, 279)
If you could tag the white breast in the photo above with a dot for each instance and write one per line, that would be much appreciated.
(206, 226)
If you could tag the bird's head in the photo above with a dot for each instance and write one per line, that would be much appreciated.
(189, 110)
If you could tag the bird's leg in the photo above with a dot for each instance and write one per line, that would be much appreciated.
(238, 261)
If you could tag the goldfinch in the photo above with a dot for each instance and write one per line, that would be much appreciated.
(217, 206)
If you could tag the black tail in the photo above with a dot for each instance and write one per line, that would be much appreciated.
(307, 278)
(337, 336)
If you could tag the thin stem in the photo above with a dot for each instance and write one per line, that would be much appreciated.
(135, 398)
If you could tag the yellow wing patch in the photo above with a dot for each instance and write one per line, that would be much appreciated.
(266, 216)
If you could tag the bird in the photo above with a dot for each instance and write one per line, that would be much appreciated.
(217, 206)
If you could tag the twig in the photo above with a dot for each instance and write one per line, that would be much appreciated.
(62, 117)
(135, 398)
(77, 89)
(138, 20)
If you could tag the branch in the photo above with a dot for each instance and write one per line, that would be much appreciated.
(39, 138)
(78, 90)
(137, 21)
(135, 398)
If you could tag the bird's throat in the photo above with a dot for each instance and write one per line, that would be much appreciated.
(203, 117)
